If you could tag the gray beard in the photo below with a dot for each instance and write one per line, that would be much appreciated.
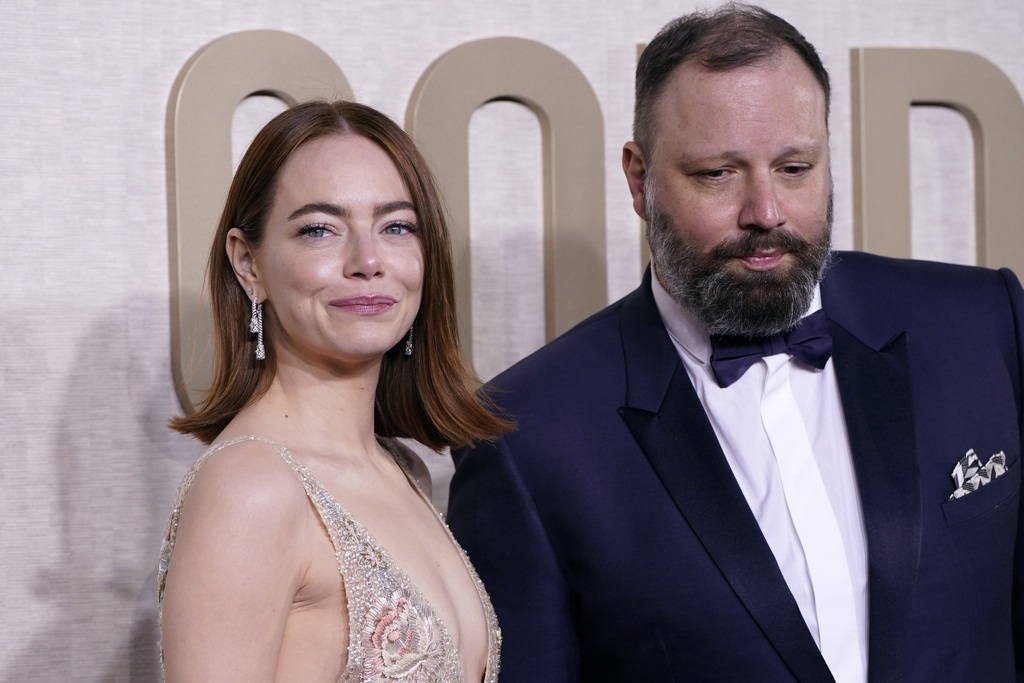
(740, 303)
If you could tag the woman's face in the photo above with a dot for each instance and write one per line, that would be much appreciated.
(341, 263)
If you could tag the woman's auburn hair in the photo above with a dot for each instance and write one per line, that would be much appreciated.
(430, 396)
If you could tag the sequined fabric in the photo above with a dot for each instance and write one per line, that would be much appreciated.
(395, 635)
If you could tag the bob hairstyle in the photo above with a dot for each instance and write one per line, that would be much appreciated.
(429, 396)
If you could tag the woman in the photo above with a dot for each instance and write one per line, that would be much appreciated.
(303, 546)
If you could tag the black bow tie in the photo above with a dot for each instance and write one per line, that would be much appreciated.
(809, 342)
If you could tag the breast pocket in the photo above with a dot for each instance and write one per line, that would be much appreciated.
(999, 492)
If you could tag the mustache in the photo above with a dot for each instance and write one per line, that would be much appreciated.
(754, 242)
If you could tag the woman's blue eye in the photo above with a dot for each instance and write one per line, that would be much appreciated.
(398, 228)
(314, 231)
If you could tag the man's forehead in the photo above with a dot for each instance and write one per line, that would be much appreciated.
(693, 67)
(765, 87)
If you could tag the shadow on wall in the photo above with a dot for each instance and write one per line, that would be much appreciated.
(117, 467)
(92, 506)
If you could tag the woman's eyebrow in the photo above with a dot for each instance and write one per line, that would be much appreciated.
(343, 212)
(319, 207)
(391, 207)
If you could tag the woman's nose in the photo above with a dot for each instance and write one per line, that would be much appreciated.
(363, 259)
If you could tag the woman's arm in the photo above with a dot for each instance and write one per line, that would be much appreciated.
(236, 567)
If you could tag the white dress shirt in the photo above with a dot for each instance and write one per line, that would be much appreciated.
(734, 413)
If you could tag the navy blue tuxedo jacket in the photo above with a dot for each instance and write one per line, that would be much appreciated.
(616, 545)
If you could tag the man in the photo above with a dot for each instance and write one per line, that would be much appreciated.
(842, 505)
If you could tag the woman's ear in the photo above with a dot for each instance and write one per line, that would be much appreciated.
(243, 262)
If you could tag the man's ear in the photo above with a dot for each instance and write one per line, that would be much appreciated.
(243, 262)
(635, 167)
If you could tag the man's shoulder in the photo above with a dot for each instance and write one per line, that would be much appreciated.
(861, 263)
(596, 337)
(580, 366)
(568, 391)
(868, 291)
(883, 276)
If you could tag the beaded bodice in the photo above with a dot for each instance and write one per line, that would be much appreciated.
(394, 633)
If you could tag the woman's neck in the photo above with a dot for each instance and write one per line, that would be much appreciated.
(317, 411)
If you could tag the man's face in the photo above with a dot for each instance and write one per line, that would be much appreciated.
(737, 193)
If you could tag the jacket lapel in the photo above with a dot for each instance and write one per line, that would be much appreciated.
(873, 370)
(668, 421)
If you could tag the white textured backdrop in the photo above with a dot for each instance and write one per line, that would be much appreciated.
(88, 469)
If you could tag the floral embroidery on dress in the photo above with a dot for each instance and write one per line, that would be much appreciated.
(398, 640)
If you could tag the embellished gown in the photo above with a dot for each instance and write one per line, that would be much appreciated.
(394, 633)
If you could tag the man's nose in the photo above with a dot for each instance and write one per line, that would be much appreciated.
(761, 206)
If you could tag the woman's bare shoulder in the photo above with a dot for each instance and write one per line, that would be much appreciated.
(244, 514)
(247, 483)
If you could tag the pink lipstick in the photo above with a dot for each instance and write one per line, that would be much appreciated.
(365, 305)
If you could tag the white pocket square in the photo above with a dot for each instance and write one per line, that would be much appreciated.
(970, 475)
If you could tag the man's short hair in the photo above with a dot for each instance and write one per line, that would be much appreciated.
(726, 38)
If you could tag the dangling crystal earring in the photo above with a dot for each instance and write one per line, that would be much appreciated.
(256, 326)
(253, 320)
(408, 342)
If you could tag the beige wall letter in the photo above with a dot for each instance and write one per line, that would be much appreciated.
(572, 130)
(886, 82)
(203, 100)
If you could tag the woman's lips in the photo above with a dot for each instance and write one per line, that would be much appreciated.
(365, 305)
